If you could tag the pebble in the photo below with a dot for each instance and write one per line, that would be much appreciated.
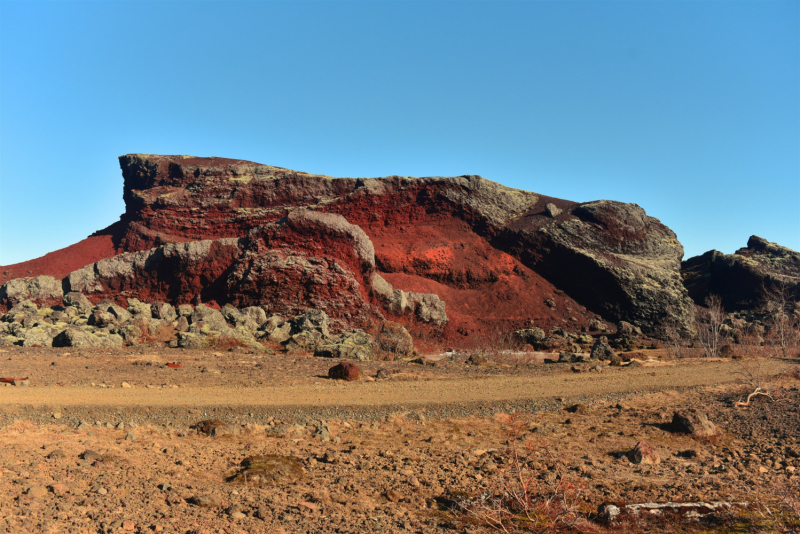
(102, 491)
(126, 385)
(238, 515)
(120, 425)
(393, 496)
(56, 415)
(130, 436)
(37, 492)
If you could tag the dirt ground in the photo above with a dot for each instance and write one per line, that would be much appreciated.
(106, 442)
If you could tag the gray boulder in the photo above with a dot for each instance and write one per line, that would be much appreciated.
(209, 316)
(37, 337)
(531, 336)
(78, 301)
(311, 320)
(42, 289)
(139, 309)
(355, 345)
(75, 337)
(258, 315)
(601, 350)
(163, 310)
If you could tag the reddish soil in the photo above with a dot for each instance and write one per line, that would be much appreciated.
(60, 263)
(381, 455)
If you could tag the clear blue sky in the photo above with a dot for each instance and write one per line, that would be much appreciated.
(689, 109)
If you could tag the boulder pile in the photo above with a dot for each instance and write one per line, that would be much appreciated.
(79, 323)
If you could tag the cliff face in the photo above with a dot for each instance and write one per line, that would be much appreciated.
(497, 256)
(742, 279)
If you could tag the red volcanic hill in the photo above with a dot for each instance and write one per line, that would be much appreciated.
(499, 258)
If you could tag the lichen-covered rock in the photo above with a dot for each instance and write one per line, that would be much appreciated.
(78, 301)
(209, 317)
(355, 345)
(628, 330)
(101, 319)
(190, 340)
(139, 309)
(312, 320)
(38, 337)
(185, 310)
(602, 351)
(163, 311)
(395, 340)
(613, 258)
(256, 314)
(531, 336)
(742, 278)
(75, 337)
(8, 341)
(45, 290)
(238, 318)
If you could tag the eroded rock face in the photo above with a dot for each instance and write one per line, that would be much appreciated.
(487, 250)
(741, 278)
(614, 259)
(44, 290)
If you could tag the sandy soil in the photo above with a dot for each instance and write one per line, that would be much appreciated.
(403, 454)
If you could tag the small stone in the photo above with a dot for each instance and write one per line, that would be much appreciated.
(58, 453)
(693, 423)
(393, 496)
(130, 436)
(56, 415)
(238, 515)
(120, 426)
(36, 492)
(414, 481)
(128, 525)
(345, 371)
(126, 385)
(204, 501)
(83, 425)
(59, 489)
(102, 491)
(643, 453)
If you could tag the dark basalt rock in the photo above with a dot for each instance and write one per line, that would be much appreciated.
(741, 278)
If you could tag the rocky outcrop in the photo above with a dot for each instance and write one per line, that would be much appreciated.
(742, 278)
(306, 260)
(612, 258)
(499, 257)
(43, 289)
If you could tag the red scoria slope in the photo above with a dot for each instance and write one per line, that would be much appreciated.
(500, 258)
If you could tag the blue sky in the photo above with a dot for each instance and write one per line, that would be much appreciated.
(689, 109)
